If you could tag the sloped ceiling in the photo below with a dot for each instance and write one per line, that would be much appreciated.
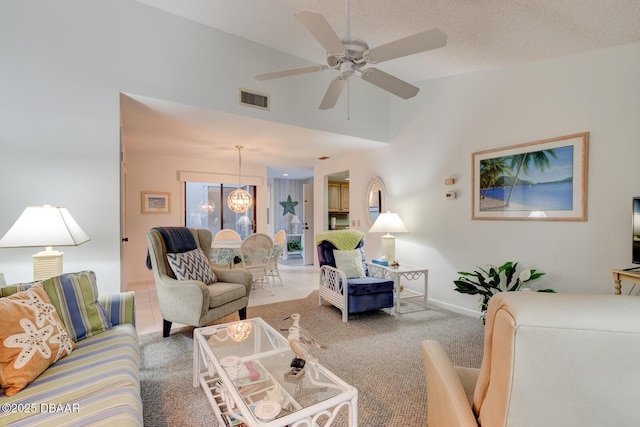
(481, 35)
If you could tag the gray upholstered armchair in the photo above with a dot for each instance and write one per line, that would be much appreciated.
(192, 302)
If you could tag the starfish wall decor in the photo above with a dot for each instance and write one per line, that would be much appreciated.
(289, 206)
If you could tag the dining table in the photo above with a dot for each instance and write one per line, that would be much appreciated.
(223, 252)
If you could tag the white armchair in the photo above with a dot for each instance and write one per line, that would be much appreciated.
(549, 360)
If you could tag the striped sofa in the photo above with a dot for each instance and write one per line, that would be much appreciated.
(97, 384)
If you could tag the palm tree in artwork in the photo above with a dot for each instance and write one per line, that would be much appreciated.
(522, 161)
(490, 171)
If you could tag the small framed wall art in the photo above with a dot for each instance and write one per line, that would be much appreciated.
(156, 202)
(541, 180)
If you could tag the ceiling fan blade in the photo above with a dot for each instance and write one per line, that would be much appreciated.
(290, 72)
(420, 42)
(333, 93)
(390, 83)
(318, 26)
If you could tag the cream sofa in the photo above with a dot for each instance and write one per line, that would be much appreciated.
(549, 360)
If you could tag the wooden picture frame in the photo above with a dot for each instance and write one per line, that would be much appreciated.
(541, 181)
(156, 202)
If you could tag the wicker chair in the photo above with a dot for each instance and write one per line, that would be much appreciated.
(279, 240)
(354, 294)
(255, 252)
(226, 234)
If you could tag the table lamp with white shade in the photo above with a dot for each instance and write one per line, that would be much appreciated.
(294, 225)
(46, 226)
(388, 222)
(245, 223)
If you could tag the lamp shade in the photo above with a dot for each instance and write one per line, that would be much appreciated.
(44, 226)
(295, 219)
(243, 220)
(388, 222)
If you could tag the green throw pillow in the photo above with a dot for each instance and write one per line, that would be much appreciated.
(75, 297)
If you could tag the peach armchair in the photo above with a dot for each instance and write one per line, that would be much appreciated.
(549, 360)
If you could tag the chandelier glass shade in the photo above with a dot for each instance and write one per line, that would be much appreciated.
(207, 207)
(239, 200)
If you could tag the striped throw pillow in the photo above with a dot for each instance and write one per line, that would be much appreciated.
(192, 265)
(75, 297)
(8, 290)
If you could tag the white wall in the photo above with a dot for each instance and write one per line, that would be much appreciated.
(160, 173)
(435, 134)
(63, 66)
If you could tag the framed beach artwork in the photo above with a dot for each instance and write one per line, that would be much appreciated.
(541, 180)
(156, 202)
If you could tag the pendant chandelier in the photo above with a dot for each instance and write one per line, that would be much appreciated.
(207, 207)
(239, 200)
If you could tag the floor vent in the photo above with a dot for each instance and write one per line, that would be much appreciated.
(254, 99)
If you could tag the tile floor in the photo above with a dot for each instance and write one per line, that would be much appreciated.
(298, 282)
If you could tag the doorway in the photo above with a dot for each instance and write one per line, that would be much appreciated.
(337, 213)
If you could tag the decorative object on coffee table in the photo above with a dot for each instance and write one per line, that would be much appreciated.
(301, 341)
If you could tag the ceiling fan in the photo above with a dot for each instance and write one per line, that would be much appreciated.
(353, 56)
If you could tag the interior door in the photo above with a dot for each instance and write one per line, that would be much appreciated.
(123, 219)
(307, 224)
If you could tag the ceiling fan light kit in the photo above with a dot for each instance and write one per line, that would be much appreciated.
(353, 56)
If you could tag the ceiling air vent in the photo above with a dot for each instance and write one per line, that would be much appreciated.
(254, 99)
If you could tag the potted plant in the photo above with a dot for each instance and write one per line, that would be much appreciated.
(488, 282)
(294, 246)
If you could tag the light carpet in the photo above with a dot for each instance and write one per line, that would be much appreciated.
(377, 353)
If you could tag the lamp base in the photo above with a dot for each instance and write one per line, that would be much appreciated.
(388, 247)
(46, 264)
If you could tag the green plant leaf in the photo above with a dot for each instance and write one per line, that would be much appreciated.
(464, 273)
(465, 287)
(535, 275)
(515, 286)
(551, 291)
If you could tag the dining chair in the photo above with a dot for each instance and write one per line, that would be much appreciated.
(255, 252)
(226, 234)
(279, 240)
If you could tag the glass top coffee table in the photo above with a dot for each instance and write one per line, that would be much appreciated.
(250, 377)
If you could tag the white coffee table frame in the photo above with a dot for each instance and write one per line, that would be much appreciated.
(208, 373)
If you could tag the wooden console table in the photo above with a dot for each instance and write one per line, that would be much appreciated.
(619, 276)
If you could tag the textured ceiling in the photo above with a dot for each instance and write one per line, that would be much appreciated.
(481, 35)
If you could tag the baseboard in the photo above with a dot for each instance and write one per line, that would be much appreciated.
(455, 308)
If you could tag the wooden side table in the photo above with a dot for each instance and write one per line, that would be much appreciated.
(619, 276)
